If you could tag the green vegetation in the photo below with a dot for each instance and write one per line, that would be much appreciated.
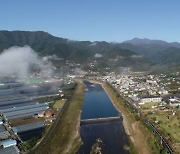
(132, 148)
(166, 122)
(31, 143)
(59, 104)
(47, 99)
(63, 136)
(174, 85)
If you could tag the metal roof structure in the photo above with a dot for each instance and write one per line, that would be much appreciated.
(14, 102)
(27, 127)
(8, 92)
(24, 112)
(4, 135)
(23, 107)
(9, 150)
(11, 98)
(2, 87)
(24, 115)
(2, 128)
(8, 143)
(16, 105)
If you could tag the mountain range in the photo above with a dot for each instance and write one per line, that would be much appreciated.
(137, 53)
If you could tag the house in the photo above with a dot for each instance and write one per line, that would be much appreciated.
(172, 100)
(48, 114)
(41, 114)
(174, 103)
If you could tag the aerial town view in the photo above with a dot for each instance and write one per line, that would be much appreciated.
(89, 77)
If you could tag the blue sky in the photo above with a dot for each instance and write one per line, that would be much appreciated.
(108, 20)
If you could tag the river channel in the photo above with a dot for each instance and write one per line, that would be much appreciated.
(112, 135)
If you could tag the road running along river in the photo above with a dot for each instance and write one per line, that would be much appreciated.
(97, 105)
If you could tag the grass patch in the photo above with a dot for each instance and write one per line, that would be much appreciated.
(59, 104)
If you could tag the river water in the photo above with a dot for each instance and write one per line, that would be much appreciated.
(98, 105)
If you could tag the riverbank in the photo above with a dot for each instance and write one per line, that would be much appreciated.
(65, 137)
(139, 135)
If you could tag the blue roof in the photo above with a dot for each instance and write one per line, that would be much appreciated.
(8, 142)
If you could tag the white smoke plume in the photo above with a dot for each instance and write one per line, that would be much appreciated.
(52, 57)
(21, 61)
(97, 55)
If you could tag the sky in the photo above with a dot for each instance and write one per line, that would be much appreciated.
(94, 20)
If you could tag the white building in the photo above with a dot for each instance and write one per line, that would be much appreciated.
(150, 99)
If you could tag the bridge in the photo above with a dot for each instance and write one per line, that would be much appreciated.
(96, 121)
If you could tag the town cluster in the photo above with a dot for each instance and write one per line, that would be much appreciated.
(142, 89)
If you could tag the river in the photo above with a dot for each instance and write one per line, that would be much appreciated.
(97, 104)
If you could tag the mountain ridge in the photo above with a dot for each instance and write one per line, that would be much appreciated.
(125, 54)
(146, 41)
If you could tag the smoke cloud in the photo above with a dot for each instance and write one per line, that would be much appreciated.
(22, 61)
(97, 55)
